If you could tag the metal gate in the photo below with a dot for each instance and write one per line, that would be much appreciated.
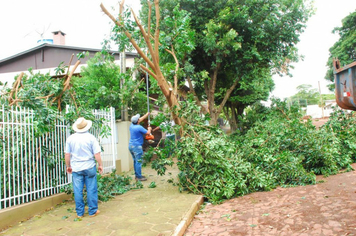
(108, 144)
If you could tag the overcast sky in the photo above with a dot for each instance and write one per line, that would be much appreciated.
(22, 22)
(314, 45)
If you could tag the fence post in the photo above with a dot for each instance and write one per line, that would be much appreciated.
(113, 136)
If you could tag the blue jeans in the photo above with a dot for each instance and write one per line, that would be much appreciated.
(87, 177)
(137, 152)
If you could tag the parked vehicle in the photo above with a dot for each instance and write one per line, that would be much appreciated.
(345, 85)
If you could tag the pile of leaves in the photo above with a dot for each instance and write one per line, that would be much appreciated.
(279, 149)
(112, 185)
(292, 149)
(342, 125)
(109, 186)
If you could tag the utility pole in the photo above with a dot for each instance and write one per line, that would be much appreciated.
(124, 113)
(321, 101)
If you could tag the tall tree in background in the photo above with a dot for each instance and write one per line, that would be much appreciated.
(239, 45)
(306, 95)
(345, 48)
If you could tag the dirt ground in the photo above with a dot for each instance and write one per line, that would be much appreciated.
(320, 122)
(327, 208)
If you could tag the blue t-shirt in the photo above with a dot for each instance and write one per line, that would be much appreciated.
(136, 134)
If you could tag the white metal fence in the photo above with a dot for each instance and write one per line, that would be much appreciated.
(33, 167)
(108, 143)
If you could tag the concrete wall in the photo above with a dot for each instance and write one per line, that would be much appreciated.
(124, 156)
(25, 211)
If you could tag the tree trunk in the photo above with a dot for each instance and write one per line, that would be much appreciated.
(152, 49)
(230, 114)
(214, 117)
(233, 120)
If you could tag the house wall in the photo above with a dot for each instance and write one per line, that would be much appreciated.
(317, 112)
(46, 57)
(9, 77)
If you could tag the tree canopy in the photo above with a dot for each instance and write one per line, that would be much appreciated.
(225, 50)
(99, 84)
(102, 85)
(306, 95)
(239, 44)
(345, 48)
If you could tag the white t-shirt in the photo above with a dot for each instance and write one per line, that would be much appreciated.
(82, 147)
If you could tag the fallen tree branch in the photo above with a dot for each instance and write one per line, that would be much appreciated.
(15, 88)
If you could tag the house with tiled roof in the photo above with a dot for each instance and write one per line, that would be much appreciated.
(48, 55)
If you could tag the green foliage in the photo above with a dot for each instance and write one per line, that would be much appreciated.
(288, 148)
(237, 44)
(344, 48)
(36, 92)
(208, 162)
(99, 84)
(305, 96)
(109, 186)
(255, 112)
(328, 96)
(245, 42)
(112, 185)
(342, 125)
(276, 148)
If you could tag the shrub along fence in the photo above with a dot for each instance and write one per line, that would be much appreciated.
(33, 167)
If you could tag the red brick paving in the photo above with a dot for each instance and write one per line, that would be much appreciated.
(327, 208)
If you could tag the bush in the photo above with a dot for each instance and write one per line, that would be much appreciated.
(278, 149)
(343, 126)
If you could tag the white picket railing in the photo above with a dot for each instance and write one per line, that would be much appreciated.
(108, 143)
(33, 167)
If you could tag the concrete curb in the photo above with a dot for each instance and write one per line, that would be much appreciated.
(187, 219)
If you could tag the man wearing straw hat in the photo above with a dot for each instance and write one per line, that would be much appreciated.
(82, 149)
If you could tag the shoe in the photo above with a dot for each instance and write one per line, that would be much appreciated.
(96, 213)
(143, 178)
(80, 217)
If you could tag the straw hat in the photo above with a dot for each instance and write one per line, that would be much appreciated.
(82, 125)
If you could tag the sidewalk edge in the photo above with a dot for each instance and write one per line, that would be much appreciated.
(187, 219)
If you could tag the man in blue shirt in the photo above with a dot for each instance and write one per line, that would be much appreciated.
(136, 142)
(82, 149)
